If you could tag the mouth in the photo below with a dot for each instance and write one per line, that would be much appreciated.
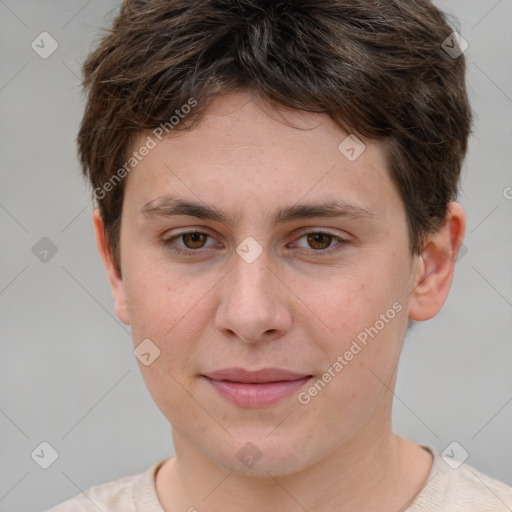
(255, 389)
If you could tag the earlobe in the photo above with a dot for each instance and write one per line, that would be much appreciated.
(436, 265)
(114, 278)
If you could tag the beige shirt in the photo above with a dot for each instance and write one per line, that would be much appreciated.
(447, 490)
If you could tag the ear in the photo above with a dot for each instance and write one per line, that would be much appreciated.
(436, 265)
(114, 278)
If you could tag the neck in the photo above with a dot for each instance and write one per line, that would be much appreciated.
(374, 470)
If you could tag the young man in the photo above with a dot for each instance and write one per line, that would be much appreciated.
(275, 185)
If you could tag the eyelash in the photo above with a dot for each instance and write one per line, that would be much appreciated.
(168, 243)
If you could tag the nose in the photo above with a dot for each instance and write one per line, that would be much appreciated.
(254, 304)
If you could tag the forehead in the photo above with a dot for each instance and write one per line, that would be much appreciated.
(245, 152)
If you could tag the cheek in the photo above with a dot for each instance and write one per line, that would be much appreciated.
(349, 304)
(170, 311)
(156, 300)
(359, 372)
(366, 317)
(165, 311)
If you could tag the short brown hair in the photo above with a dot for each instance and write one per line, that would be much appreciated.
(377, 68)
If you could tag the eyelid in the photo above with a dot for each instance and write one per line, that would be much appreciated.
(313, 229)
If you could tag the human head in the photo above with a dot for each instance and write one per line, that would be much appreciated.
(228, 149)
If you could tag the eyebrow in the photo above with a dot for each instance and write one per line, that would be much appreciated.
(168, 206)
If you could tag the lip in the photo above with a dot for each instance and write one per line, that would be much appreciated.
(264, 375)
(255, 389)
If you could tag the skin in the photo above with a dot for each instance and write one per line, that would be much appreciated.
(288, 309)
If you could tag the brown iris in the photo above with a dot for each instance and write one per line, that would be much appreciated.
(196, 240)
(319, 238)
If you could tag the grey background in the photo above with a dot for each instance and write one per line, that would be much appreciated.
(67, 372)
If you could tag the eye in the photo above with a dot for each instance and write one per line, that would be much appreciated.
(320, 242)
(193, 241)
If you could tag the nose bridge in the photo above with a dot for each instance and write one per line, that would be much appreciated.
(251, 302)
(250, 286)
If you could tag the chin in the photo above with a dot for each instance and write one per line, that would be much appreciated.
(263, 456)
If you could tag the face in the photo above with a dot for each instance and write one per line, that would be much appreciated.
(294, 261)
